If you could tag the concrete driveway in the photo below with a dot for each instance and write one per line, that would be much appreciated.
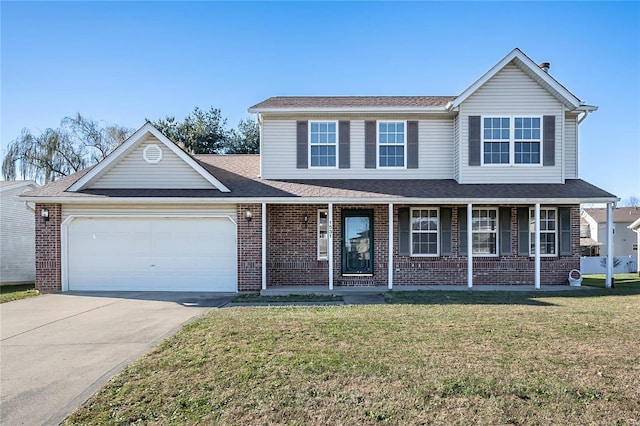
(58, 349)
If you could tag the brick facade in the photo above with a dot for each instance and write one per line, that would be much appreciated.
(249, 248)
(48, 248)
(292, 254)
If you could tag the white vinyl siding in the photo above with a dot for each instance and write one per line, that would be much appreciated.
(17, 237)
(456, 148)
(571, 148)
(511, 92)
(435, 147)
(133, 171)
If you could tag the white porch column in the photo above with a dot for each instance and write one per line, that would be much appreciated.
(264, 246)
(469, 246)
(390, 266)
(330, 243)
(609, 277)
(537, 246)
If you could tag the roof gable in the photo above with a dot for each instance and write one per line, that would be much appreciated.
(527, 65)
(12, 185)
(141, 162)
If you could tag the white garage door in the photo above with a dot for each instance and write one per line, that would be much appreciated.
(152, 254)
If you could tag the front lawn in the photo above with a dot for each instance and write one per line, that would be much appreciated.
(9, 293)
(425, 358)
(620, 280)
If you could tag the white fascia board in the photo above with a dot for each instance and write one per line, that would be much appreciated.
(635, 225)
(526, 61)
(314, 200)
(110, 160)
(586, 108)
(442, 109)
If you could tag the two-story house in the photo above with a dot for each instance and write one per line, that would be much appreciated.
(480, 188)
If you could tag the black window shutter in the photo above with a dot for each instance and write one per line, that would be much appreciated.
(403, 232)
(445, 230)
(344, 142)
(302, 145)
(474, 140)
(565, 230)
(370, 144)
(523, 231)
(412, 144)
(549, 140)
(462, 231)
(505, 230)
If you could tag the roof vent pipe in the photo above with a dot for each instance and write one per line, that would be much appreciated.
(545, 66)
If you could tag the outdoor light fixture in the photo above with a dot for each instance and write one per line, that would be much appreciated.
(45, 214)
(306, 219)
(248, 215)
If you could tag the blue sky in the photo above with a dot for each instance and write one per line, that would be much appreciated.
(123, 62)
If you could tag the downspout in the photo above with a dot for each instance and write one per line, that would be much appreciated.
(584, 115)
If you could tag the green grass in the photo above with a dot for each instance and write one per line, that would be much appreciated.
(429, 357)
(9, 293)
(622, 281)
(256, 298)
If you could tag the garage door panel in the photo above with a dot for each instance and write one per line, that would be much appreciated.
(155, 254)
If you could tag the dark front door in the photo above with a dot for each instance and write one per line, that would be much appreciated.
(357, 242)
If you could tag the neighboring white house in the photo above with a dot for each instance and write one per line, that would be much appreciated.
(624, 239)
(635, 226)
(17, 234)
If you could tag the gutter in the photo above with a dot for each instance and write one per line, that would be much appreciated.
(315, 200)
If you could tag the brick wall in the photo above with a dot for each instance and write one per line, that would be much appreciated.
(292, 246)
(249, 248)
(48, 261)
(292, 253)
(505, 269)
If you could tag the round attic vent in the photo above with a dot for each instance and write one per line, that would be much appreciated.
(152, 154)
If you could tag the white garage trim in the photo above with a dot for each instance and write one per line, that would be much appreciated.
(64, 232)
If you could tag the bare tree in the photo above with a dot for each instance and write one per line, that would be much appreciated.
(632, 201)
(79, 142)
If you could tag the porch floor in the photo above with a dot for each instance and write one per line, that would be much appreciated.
(340, 291)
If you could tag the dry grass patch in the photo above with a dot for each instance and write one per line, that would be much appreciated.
(443, 358)
(9, 293)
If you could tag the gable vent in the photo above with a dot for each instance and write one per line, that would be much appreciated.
(152, 154)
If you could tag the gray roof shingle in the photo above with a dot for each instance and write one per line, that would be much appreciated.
(620, 214)
(240, 174)
(311, 102)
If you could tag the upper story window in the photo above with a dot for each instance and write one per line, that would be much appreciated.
(485, 232)
(323, 140)
(511, 140)
(392, 142)
(527, 140)
(548, 232)
(424, 232)
(496, 136)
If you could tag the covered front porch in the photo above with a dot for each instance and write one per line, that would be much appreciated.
(304, 247)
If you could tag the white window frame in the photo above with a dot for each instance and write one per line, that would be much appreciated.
(319, 238)
(496, 232)
(532, 213)
(437, 232)
(512, 140)
(404, 144)
(325, 144)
